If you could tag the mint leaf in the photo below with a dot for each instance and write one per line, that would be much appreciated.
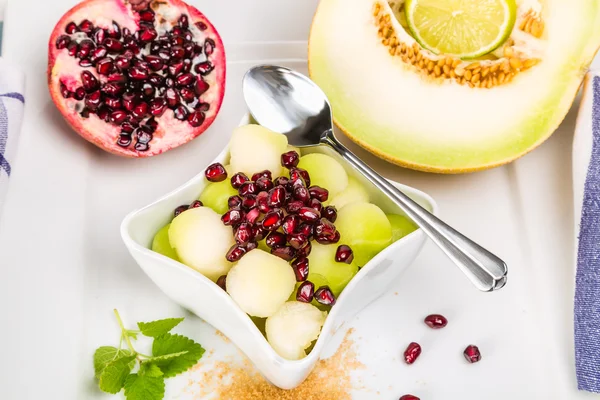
(113, 375)
(105, 355)
(131, 334)
(168, 344)
(166, 356)
(160, 327)
(150, 369)
(144, 387)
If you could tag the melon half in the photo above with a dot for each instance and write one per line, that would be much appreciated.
(437, 113)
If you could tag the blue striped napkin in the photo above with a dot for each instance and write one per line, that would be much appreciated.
(12, 84)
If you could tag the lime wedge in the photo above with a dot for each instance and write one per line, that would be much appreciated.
(461, 28)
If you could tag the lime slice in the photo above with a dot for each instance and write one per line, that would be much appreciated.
(461, 28)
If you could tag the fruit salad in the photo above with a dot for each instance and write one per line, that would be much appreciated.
(281, 232)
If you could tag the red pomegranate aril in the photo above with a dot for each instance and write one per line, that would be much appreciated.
(272, 220)
(184, 21)
(181, 209)
(71, 28)
(306, 229)
(62, 42)
(138, 73)
(234, 201)
(155, 62)
(124, 140)
(318, 193)
(175, 68)
(103, 113)
(409, 397)
(285, 252)
(294, 206)
(264, 184)
(113, 45)
(115, 32)
(290, 159)
(99, 35)
(148, 90)
(98, 53)
(249, 202)
(172, 98)
(290, 223)
(85, 63)
(300, 267)
(301, 193)
(325, 296)
(215, 173)
(259, 232)
(188, 36)
(238, 179)
(127, 127)
(281, 181)
(330, 213)
(309, 214)
(201, 25)
(196, 204)
(105, 66)
(232, 217)
(316, 204)
(158, 106)
(324, 229)
(129, 101)
(262, 202)
(344, 254)
(196, 118)
(243, 234)
(412, 352)
(305, 292)
(113, 89)
(148, 35)
(262, 174)
(140, 110)
(143, 136)
(297, 240)
(275, 239)
(252, 216)
(117, 117)
(327, 239)
(177, 52)
(92, 100)
(86, 26)
(235, 253)
(187, 95)
(299, 173)
(209, 46)
(472, 354)
(276, 197)
(150, 125)
(169, 82)
(247, 188)
(436, 321)
(66, 93)
(122, 63)
(141, 146)
(200, 87)
(79, 94)
(85, 48)
(204, 68)
(181, 113)
(222, 282)
(304, 251)
(176, 38)
(72, 49)
(156, 80)
(147, 15)
(189, 49)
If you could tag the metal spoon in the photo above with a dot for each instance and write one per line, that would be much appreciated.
(288, 102)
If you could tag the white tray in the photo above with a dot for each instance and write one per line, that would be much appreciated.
(64, 267)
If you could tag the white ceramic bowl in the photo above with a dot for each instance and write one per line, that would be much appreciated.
(193, 291)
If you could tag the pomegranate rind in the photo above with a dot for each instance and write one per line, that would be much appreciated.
(171, 132)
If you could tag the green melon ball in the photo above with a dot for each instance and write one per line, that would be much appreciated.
(365, 228)
(354, 192)
(162, 245)
(325, 171)
(401, 226)
(322, 262)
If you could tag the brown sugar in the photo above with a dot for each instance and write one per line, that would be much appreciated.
(331, 379)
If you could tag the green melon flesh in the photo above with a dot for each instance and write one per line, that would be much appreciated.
(396, 114)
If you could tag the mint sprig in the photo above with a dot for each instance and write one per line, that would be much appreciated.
(171, 355)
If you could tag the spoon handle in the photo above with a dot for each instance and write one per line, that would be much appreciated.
(485, 270)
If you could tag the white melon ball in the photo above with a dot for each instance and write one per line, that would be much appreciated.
(201, 241)
(293, 328)
(254, 148)
(354, 192)
(260, 283)
(325, 171)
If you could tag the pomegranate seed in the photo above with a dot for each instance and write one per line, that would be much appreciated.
(262, 201)
(247, 188)
(216, 172)
(189, 50)
(294, 206)
(290, 159)
(235, 253)
(85, 63)
(92, 100)
(272, 220)
(232, 217)
(196, 204)
(412, 352)
(252, 215)
(309, 214)
(181, 209)
(154, 62)
(290, 223)
(176, 39)
(276, 197)
(300, 267)
(148, 35)
(129, 101)
(141, 146)
(117, 117)
(187, 95)
(181, 113)
(324, 229)
(436, 321)
(344, 254)
(409, 397)
(316, 204)
(275, 239)
(127, 127)
(85, 48)
(99, 35)
(318, 193)
(297, 240)
(172, 98)
(202, 106)
(72, 49)
(238, 179)
(140, 110)
(79, 94)
(196, 118)
(281, 181)
(177, 52)
(138, 73)
(71, 28)
(259, 232)
(175, 68)
(147, 15)
(113, 45)
(105, 66)
(183, 21)
(124, 140)
(156, 80)
(204, 68)
(234, 201)
(249, 202)
(113, 89)
(103, 113)
(264, 183)
(122, 63)
(304, 251)
(306, 230)
(158, 106)
(301, 193)
(325, 296)
(143, 136)
(299, 173)
(209, 46)
(285, 252)
(472, 354)
(86, 26)
(261, 174)
(98, 53)
(185, 79)
(200, 87)
(222, 282)
(115, 32)
(62, 42)
(201, 25)
(66, 93)
(330, 213)
(244, 233)
(328, 240)
(306, 292)
(150, 125)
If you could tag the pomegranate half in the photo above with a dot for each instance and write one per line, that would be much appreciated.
(136, 77)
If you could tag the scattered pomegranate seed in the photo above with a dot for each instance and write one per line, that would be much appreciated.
(290, 159)
(238, 179)
(196, 204)
(180, 209)
(412, 352)
(300, 267)
(248, 188)
(233, 217)
(294, 206)
(299, 173)
(472, 354)
(325, 296)
(234, 201)
(436, 321)
(235, 253)
(305, 292)
(409, 397)
(309, 214)
(306, 230)
(258, 231)
(216, 172)
(316, 204)
(304, 251)
(327, 240)
(301, 193)
(249, 202)
(262, 202)
(281, 181)
(272, 220)
(262, 174)
(276, 197)
(324, 230)
(244, 234)
(318, 193)
(222, 282)
(344, 254)
(286, 252)
(275, 239)
(263, 183)
(290, 223)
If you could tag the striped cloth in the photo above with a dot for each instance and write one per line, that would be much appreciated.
(12, 84)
